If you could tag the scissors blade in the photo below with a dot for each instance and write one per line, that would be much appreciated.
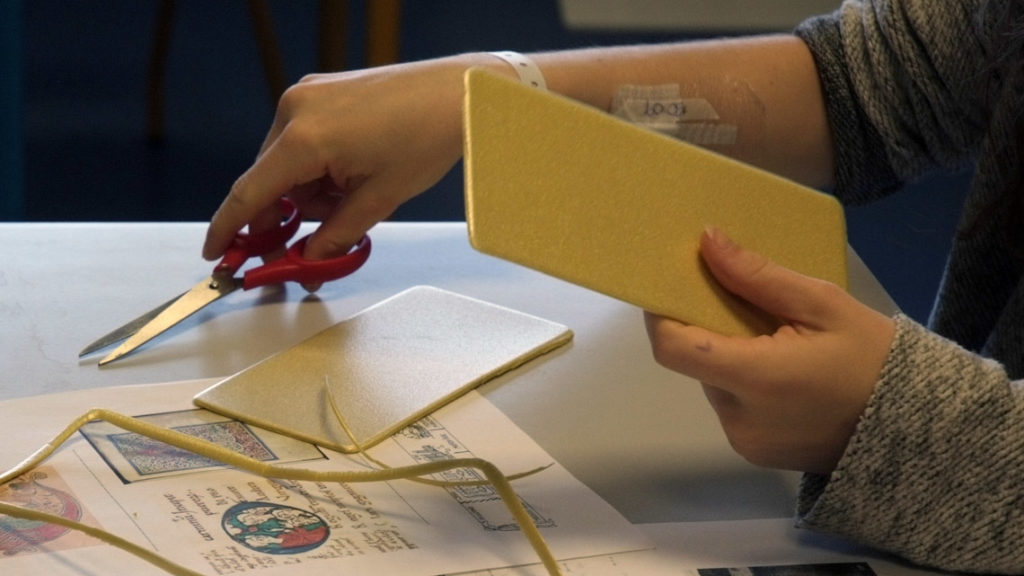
(129, 328)
(209, 290)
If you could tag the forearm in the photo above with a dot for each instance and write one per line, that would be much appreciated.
(378, 137)
(766, 86)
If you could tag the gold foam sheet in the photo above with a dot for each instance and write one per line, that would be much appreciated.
(576, 193)
(388, 365)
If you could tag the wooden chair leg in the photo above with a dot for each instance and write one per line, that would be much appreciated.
(383, 31)
(157, 70)
(332, 47)
(270, 55)
(382, 47)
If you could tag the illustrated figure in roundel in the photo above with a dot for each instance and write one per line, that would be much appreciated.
(17, 535)
(274, 528)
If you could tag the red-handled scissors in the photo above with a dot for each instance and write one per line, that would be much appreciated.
(292, 267)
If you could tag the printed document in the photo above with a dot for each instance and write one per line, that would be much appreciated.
(223, 521)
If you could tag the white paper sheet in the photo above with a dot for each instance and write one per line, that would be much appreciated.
(771, 547)
(224, 521)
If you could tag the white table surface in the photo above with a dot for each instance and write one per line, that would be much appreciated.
(642, 437)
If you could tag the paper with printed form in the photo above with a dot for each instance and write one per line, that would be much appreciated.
(222, 521)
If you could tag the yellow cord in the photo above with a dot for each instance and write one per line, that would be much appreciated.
(361, 450)
(114, 540)
(223, 455)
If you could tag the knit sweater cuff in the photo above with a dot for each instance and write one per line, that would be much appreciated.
(917, 476)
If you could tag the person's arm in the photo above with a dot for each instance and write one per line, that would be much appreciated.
(767, 86)
(915, 452)
(912, 444)
(349, 148)
(931, 471)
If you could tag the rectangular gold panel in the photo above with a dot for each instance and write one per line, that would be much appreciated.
(576, 193)
(389, 366)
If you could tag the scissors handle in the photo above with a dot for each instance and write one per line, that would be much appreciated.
(246, 246)
(293, 267)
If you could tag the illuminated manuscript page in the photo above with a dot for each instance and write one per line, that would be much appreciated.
(224, 521)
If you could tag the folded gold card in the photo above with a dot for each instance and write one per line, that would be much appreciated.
(576, 193)
(388, 366)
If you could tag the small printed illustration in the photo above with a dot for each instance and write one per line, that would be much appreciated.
(42, 490)
(135, 457)
(429, 441)
(274, 528)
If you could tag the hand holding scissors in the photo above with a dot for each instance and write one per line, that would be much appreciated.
(292, 267)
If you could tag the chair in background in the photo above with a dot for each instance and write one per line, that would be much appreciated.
(383, 31)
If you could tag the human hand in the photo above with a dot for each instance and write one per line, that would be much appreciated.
(348, 149)
(793, 398)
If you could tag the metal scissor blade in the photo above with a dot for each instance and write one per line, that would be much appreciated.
(203, 293)
(127, 330)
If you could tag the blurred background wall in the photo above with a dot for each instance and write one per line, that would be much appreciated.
(76, 135)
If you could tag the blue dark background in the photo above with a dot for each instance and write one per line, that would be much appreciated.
(73, 143)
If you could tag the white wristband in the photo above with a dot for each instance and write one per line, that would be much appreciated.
(525, 67)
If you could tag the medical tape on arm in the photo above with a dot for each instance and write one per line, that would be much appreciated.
(721, 113)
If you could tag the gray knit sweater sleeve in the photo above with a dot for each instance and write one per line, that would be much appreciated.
(934, 469)
(900, 79)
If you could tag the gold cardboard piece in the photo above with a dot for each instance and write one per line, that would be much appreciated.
(389, 366)
(576, 193)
